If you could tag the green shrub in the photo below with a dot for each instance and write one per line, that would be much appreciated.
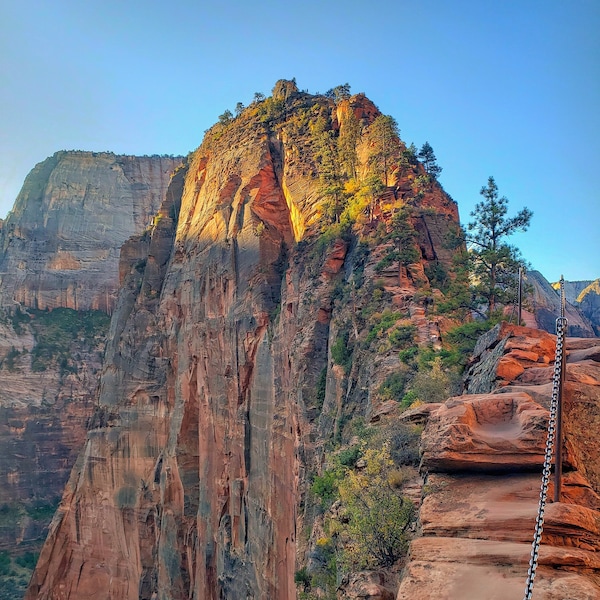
(402, 337)
(27, 560)
(18, 319)
(393, 386)
(321, 387)
(464, 337)
(432, 383)
(5, 563)
(9, 359)
(377, 518)
(349, 456)
(438, 276)
(408, 399)
(341, 351)
(408, 355)
(325, 486)
(55, 331)
(302, 578)
(386, 320)
(404, 445)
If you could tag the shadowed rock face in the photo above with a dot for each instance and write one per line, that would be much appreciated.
(191, 484)
(478, 515)
(60, 244)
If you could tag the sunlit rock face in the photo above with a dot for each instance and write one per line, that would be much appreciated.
(192, 480)
(59, 246)
(585, 295)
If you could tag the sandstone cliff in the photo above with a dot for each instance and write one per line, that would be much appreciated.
(59, 250)
(194, 481)
(59, 246)
(289, 299)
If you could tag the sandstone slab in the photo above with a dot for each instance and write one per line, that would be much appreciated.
(487, 432)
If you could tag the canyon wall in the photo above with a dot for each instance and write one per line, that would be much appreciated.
(542, 305)
(266, 320)
(59, 253)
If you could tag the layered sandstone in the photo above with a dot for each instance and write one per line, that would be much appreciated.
(482, 457)
(59, 246)
(59, 249)
(193, 479)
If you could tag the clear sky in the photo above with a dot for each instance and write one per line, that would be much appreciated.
(507, 88)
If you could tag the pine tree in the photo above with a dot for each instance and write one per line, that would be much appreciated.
(494, 262)
(384, 138)
(428, 159)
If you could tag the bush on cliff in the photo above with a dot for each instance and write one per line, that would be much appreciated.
(376, 518)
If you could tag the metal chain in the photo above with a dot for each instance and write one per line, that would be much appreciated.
(561, 328)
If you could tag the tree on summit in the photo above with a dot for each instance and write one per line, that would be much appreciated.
(493, 261)
(427, 156)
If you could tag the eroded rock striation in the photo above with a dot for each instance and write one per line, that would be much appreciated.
(59, 251)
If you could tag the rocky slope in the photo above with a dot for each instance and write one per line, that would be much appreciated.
(60, 244)
(481, 459)
(194, 478)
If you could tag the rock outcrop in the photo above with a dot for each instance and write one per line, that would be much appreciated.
(60, 244)
(193, 482)
(588, 302)
(482, 456)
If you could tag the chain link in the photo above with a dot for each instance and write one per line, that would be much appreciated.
(561, 328)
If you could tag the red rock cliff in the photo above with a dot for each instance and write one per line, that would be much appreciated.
(192, 482)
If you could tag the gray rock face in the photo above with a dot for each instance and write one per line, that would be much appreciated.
(59, 246)
(545, 303)
(588, 302)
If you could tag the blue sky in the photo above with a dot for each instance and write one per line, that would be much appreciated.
(509, 89)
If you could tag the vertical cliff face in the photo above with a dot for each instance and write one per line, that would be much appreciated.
(60, 244)
(193, 479)
(59, 250)
(586, 296)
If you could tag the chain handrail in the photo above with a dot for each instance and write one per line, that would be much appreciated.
(561, 328)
